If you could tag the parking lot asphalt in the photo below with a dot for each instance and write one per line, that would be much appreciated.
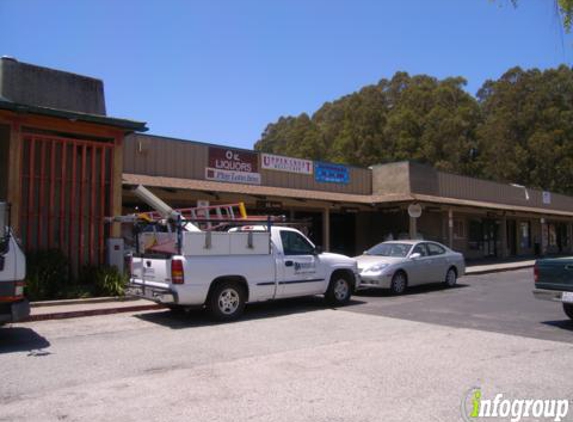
(382, 358)
(500, 302)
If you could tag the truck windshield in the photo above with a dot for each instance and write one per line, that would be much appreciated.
(398, 250)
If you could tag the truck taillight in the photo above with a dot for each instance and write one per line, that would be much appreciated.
(19, 289)
(536, 274)
(177, 274)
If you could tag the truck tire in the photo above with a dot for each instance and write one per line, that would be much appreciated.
(339, 290)
(568, 308)
(227, 301)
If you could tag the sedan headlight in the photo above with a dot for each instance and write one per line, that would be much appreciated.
(376, 268)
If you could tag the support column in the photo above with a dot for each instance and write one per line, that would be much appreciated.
(451, 228)
(14, 169)
(413, 228)
(544, 236)
(503, 237)
(570, 237)
(116, 193)
(326, 229)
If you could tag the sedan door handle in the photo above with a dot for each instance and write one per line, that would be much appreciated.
(569, 267)
(289, 263)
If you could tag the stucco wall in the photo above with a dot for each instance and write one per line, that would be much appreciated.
(34, 85)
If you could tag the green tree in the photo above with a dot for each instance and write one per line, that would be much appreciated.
(519, 129)
(563, 7)
(527, 132)
(419, 118)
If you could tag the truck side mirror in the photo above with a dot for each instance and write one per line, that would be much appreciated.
(317, 250)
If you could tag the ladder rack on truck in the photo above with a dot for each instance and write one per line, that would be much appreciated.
(198, 230)
(252, 237)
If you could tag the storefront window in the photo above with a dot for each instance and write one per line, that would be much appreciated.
(475, 234)
(525, 234)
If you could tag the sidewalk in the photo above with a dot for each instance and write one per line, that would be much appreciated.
(485, 267)
(75, 308)
(41, 311)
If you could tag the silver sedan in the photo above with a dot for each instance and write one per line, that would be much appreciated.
(397, 265)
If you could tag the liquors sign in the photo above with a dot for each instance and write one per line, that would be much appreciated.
(233, 166)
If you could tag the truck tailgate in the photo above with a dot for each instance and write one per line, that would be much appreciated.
(555, 274)
(151, 270)
(151, 279)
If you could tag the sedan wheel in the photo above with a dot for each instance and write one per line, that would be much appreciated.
(451, 278)
(399, 283)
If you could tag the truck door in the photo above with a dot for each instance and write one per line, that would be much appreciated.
(300, 272)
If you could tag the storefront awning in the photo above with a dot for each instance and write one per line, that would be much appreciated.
(488, 205)
(209, 186)
(232, 188)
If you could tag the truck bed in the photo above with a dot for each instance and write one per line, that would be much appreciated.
(554, 274)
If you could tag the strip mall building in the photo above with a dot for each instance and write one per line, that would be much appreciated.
(65, 165)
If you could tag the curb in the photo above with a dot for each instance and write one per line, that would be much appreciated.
(497, 270)
(92, 312)
(105, 299)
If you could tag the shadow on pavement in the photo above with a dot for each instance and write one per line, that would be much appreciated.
(411, 291)
(20, 339)
(565, 324)
(179, 319)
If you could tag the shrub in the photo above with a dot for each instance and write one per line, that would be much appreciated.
(109, 282)
(47, 275)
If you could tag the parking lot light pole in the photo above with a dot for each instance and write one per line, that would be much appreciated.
(413, 228)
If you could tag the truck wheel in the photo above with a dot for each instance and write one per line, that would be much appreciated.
(339, 290)
(227, 301)
(568, 308)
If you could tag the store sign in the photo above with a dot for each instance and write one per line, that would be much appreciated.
(331, 173)
(286, 164)
(228, 165)
(547, 198)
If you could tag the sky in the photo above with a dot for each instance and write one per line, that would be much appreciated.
(219, 71)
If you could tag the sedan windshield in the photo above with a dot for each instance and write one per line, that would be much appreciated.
(398, 250)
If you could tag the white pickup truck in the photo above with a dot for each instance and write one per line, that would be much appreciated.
(223, 271)
(13, 305)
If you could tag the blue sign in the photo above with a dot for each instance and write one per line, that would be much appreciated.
(331, 173)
